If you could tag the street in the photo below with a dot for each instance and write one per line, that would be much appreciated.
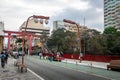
(52, 72)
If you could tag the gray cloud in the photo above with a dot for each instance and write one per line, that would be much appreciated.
(93, 18)
(43, 2)
(96, 3)
(15, 14)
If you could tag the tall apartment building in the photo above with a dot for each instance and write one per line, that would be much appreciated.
(112, 13)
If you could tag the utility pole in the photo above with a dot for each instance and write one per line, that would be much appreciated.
(84, 37)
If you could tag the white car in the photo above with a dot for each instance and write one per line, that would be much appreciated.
(15, 54)
(20, 53)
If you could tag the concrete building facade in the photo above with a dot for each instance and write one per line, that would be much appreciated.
(1, 36)
(68, 26)
(112, 13)
(37, 28)
(34, 27)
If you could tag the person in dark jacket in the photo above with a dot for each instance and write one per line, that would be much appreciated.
(51, 56)
(2, 56)
(6, 57)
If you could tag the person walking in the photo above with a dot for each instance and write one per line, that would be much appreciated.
(2, 56)
(40, 55)
(80, 57)
(6, 57)
(58, 55)
(51, 56)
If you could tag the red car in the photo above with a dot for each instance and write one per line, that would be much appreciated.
(55, 58)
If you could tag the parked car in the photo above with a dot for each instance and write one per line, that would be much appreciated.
(15, 54)
(20, 53)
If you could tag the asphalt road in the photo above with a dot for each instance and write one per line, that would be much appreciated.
(52, 72)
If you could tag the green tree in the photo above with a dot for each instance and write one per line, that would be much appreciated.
(18, 40)
(62, 40)
(110, 30)
(112, 39)
(93, 42)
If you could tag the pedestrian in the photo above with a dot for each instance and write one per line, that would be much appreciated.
(58, 55)
(6, 57)
(40, 55)
(80, 57)
(2, 56)
(43, 55)
(51, 56)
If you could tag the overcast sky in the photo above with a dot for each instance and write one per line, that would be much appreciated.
(15, 12)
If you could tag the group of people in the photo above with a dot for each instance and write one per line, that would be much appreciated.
(4, 57)
(42, 55)
(51, 55)
(56, 55)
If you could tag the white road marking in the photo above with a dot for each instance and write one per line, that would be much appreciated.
(35, 74)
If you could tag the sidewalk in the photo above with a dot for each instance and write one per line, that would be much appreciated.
(87, 63)
(10, 72)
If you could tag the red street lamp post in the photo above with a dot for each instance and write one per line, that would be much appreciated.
(72, 22)
(24, 34)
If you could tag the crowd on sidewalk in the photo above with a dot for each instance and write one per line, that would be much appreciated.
(10, 72)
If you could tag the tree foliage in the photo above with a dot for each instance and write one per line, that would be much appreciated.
(112, 39)
(93, 42)
(62, 40)
(18, 40)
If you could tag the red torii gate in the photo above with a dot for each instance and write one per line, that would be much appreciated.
(28, 34)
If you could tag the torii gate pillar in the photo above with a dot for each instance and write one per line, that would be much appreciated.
(8, 46)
